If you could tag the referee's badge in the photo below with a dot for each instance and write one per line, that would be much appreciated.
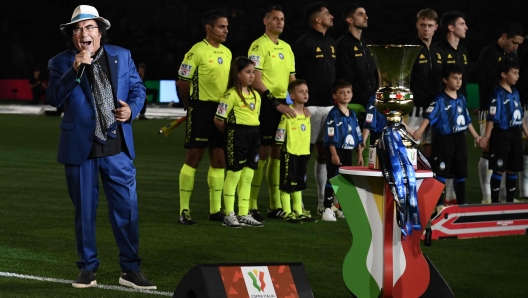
(256, 159)
(281, 56)
(252, 106)
(279, 136)
(222, 110)
(303, 127)
(220, 61)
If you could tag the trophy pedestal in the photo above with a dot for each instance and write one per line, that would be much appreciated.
(380, 263)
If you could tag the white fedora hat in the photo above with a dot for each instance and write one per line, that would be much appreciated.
(82, 13)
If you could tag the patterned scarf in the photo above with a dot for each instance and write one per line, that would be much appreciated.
(106, 123)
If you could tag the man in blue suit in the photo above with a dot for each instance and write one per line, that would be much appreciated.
(101, 92)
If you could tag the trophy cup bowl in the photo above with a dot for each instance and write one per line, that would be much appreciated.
(395, 63)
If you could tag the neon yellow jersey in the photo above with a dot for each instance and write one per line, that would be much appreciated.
(295, 133)
(207, 69)
(276, 61)
(233, 110)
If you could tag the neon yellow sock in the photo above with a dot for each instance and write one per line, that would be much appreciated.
(215, 179)
(244, 189)
(186, 186)
(255, 184)
(297, 201)
(286, 205)
(230, 185)
(273, 177)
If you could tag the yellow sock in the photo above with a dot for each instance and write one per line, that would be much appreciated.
(230, 185)
(186, 186)
(297, 201)
(273, 177)
(285, 198)
(215, 179)
(255, 184)
(244, 189)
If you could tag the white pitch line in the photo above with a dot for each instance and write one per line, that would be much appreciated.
(63, 281)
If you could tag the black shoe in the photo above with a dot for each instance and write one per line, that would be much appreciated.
(86, 279)
(303, 217)
(136, 280)
(185, 218)
(218, 216)
(256, 215)
(276, 213)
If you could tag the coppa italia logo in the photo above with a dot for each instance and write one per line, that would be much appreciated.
(258, 279)
(258, 282)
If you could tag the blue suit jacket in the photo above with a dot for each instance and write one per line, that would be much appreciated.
(78, 123)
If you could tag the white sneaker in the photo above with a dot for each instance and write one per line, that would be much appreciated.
(249, 221)
(340, 214)
(486, 201)
(329, 215)
(231, 221)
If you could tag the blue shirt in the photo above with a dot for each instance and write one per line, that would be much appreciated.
(342, 131)
(375, 121)
(505, 109)
(448, 115)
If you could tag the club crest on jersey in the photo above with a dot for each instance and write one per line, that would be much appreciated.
(185, 70)
(459, 110)
(220, 61)
(222, 109)
(442, 166)
(499, 163)
(281, 56)
(430, 109)
(303, 127)
(256, 159)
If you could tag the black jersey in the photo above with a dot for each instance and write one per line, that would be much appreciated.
(489, 58)
(315, 63)
(356, 65)
(426, 76)
(458, 56)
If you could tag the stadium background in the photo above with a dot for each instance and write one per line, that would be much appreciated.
(159, 32)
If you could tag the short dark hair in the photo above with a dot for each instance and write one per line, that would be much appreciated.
(272, 8)
(340, 84)
(349, 10)
(212, 16)
(427, 13)
(505, 65)
(450, 69)
(293, 84)
(69, 33)
(449, 18)
(512, 30)
(313, 8)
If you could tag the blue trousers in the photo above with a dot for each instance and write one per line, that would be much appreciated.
(118, 176)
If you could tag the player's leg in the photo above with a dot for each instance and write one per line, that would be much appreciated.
(483, 164)
(196, 140)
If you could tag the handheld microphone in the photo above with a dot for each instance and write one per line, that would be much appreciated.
(80, 72)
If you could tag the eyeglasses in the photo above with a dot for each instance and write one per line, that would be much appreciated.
(77, 31)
